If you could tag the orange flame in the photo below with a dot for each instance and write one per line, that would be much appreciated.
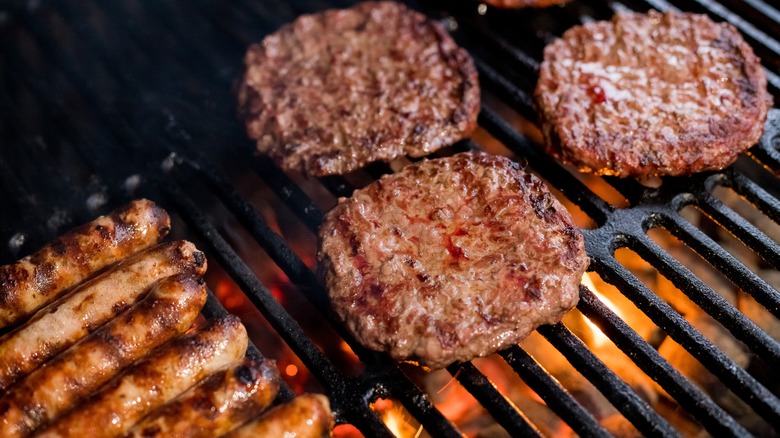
(598, 338)
(395, 418)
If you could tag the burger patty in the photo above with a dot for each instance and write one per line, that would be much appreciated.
(651, 94)
(450, 259)
(336, 90)
(524, 3)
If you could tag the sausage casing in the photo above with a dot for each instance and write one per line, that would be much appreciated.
(76, 255)
(166, 312)
(155, 380)
(218, 404)
(90, 305)
(305, 416)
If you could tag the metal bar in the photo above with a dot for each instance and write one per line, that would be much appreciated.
(756, 195)
(710, 301)
(664, 316)
(722, 260)
(689, 396)
(503, 411)
(340, 388)
(743, 230)
(553, 394)
(636, 410)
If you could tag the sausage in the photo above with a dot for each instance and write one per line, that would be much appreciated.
(160, 377)
(305, 416)
(166, 312)
(76, 255)
(62, 323)
(220, 403)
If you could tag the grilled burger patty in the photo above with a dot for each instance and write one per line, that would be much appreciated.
(450, 259)
(524, 3)
(651, 94)
(334, 91)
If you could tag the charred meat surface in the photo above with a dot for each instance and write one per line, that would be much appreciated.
(78, 254)
(305, 416)
(524, 3)
(154, 381)
(220, 403)
(651, 94)
(60, 384)
(334, 91)
(451, 259)
(90, 305)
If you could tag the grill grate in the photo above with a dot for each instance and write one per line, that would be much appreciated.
(104, 101)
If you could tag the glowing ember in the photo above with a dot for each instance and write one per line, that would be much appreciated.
(598, 338)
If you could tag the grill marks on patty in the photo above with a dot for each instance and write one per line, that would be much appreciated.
(524, 3)
(651, 94)
(450, 259)
(334, 91)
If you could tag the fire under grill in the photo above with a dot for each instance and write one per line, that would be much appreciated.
(676, 333)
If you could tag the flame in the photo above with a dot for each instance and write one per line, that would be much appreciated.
(395, 418)
(598, 338)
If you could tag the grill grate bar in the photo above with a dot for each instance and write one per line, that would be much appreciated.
(113, 127)
(747, 28)
(760, 198)
(270, 241)
(272, 310)
(499, 407)
(337, 386)
(751, 236)
(553, 394)
(492, 40)
(690, 397)
(664, 316)
(723, 261)
(764, 8)
(474, 381)
(305, 280)
(520, 100)
(711, 302)
(289, 192)
(636, 410)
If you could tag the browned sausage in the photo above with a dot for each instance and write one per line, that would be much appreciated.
(166, 312)
(220, 403)
(78, 254)
(159, 378)
(90, 305)
(305, 416)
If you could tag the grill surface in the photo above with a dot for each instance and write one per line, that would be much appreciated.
(105, 101)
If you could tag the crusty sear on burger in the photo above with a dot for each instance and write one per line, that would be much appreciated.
(111, 350)
(514, 4)
(155, 380)
(647, 95)
(167, 311)
(76, 255)
(219, 403)
(305, 416)
(91, 304)
(450, 259)
(334, 91)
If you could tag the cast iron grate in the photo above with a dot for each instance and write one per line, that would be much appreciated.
(104, 101)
